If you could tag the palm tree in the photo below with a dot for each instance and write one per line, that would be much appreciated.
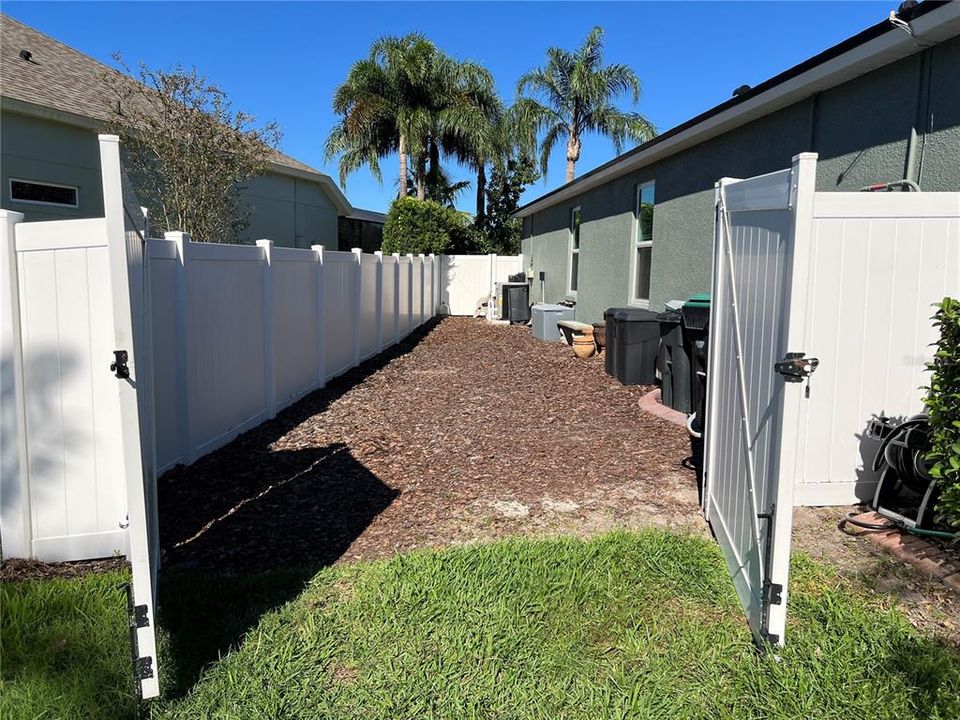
(577, 90)
(382, 107)
(410, 98)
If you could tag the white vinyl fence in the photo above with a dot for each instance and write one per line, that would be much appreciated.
(240, 332)
(470, 279)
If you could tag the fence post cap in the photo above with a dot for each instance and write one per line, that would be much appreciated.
(107, 137)
(264, 243)
(11, 216)
(176, 235)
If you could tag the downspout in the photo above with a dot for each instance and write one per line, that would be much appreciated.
(912, 170)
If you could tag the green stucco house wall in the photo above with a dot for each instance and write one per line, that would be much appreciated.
(897, 120)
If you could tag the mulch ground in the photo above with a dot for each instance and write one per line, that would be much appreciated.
(466, 431)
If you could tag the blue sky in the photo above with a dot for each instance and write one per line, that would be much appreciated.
(282, 61)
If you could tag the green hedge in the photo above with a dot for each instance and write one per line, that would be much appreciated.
(421, 226)
(943, 404)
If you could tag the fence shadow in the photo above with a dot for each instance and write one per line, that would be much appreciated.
(291, 513)
(245, 528)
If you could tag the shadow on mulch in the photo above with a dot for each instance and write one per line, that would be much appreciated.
(243, 529)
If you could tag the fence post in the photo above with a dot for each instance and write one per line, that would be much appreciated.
(396, 299)
(15, 523)
(379, 255)
(433, 286)
(182, 339)
(321, 345)
(409, 298)
(421, 258)
(357, 300)
(269, 346)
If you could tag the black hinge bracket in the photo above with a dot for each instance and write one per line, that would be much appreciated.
(772, 592)
(140, 618)
(143, 668)
(771, 638)
(795, 367)
(119, 365)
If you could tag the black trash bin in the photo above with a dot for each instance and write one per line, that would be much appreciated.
(637, 343)
(610, 348)
(673, 362)
(696, 321)
(516, 304)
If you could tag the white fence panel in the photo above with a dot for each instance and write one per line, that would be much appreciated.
(429, 307)
(75, 467)
(225, 340)
(369, 305)
(296, 323)
(466, 280)
(339, 309)
(388, 300)
(416, 307)
(877, 264)
(163, 268)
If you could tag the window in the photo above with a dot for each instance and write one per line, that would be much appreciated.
(643, 244)
(574, 249)
(35, 193)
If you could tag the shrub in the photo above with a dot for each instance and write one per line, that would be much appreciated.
(420, 226)
(943, 405)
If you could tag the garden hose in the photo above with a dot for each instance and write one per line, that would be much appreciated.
(851, 519)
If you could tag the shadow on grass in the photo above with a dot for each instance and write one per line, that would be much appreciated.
(246, 527)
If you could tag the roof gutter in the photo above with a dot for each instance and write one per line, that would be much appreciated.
(939, 23)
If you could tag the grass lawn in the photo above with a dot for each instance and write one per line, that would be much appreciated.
(624, 626)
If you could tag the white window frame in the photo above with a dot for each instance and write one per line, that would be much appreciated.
(571, 251)
(637, 243)
(75, 188)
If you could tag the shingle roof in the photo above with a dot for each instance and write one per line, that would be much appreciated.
(64, 79)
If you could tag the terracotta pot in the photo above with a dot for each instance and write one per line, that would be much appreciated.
(583, 346)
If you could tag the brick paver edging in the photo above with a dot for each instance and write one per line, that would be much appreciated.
(651, 403)
(923, 555)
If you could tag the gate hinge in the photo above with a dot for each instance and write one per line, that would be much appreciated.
(796, 366)
(119, 365)
(772, 638)
(772, 592)
(143, 668)
(140, 619)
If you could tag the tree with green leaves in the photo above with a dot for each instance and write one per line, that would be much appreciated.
(574, 94)
(410, 98)
(188, 151)
(500, 228)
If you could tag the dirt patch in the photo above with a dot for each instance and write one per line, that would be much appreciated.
(928, 602)
(469, 432)
(20, 569)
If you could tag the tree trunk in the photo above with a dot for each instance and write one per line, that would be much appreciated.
(481, 195)
(421, 178)
(402, 190)
(573, 154)
(434, 175)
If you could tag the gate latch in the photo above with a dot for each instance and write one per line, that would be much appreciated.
(796, 366)
(119, 366)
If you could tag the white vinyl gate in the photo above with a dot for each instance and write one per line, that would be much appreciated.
(82, 481)
(819, 322)
(468, 279)
(749, 508)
